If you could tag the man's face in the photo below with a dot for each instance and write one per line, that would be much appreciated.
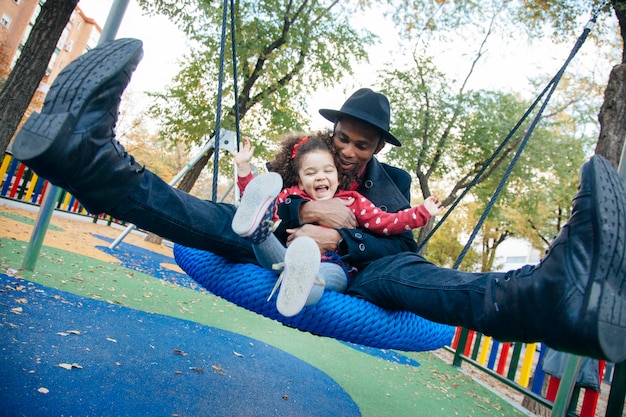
(356, 143)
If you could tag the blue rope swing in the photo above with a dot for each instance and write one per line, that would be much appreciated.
(336, 315)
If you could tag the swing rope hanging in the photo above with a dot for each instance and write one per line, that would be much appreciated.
(337, 315)
(218, 112)
(549, 89)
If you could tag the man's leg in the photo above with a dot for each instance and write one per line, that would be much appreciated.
(72, 144)
(574, 300)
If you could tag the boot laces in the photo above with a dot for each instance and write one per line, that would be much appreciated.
(517, 273)
(131, 159)
(524, 271)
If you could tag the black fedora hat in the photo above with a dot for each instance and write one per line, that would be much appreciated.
(368, 106)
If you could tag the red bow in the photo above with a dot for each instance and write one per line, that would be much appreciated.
(294, 150)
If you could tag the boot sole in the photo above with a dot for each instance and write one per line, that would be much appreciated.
(608, 281)
(45, 133)
(258, 196)
(302, 263)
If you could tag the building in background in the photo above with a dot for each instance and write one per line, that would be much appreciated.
(17, 18)
(515, 253)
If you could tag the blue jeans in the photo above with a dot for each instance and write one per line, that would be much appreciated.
(409, 282)
(184, 219)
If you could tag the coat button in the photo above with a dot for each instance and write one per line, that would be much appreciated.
(288, 200)
(368, 184)
(358, 235)
(362, 247)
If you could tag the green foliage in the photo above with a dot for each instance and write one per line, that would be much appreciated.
(449, 136)
(444, 246)
(560, 20)
(285, 50)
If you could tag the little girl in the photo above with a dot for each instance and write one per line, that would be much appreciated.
(308, 167)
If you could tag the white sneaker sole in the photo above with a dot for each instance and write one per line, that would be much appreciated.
(258, 196)
(302, 263)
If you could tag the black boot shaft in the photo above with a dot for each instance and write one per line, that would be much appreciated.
(573, 300)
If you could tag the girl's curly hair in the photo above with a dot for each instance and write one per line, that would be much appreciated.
(287, 161)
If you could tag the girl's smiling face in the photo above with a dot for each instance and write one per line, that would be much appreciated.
(317, 175)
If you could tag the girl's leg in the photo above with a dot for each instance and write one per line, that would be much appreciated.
(334, 278)
(269, 252)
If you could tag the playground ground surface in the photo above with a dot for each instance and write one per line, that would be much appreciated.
(86, 334)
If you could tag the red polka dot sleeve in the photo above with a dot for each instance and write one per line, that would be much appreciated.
(378, 221)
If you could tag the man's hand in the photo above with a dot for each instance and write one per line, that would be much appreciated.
(333, 213)
(325, 238)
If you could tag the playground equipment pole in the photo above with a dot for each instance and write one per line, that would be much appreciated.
(114, 19)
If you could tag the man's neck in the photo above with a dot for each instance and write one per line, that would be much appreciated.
(358, 179)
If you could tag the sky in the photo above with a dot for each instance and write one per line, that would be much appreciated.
(163, 43)
(504, 66)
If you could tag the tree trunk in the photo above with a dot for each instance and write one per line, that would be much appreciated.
(612, 116)
(190, 178)
(31, 66)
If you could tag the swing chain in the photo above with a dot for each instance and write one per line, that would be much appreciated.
(598, 9)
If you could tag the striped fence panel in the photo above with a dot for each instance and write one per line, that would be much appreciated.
(518, 364)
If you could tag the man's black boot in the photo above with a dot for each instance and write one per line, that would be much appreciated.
(575, 299)
(71, 143)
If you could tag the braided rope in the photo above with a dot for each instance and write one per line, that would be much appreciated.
(336, 315)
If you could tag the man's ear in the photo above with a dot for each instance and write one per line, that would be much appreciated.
(380, 146)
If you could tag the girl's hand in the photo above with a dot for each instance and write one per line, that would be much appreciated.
(243, 158)
(433, 206)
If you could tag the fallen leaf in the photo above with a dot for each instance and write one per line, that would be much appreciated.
(43, 390)
(17, 310)
(237, 354)
(194, 368)
(22, 301)
(70, 366)
(179, 352)
(111, 340)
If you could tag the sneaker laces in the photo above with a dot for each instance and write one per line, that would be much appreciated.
(277, 285)
(319, 281)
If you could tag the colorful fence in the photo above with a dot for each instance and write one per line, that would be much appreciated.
(18, 182)
(518, 365)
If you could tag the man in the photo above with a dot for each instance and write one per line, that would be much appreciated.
(573, 300)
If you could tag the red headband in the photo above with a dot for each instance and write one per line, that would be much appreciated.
(294, 150)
